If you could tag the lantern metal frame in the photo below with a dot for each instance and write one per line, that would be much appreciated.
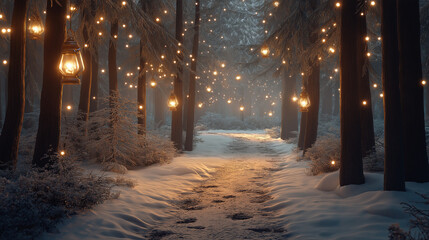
(70, 46)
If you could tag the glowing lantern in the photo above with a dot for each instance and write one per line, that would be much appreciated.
(229, 101)
(152, 83)
(242, 109)
(71, 64)
(35, 29)
(173, 102)
(200, 105)
(265, 52)
(304, 101)
(35, 25)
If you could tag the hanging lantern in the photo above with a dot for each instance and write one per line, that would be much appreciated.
(304, 101)
(241, 109)
(173, 102)
(71, 65)
(265, 52)
(35, 26)
(152, 83)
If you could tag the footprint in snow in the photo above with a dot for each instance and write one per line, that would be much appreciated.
(229, 196)
(187, 220)
(240, 216)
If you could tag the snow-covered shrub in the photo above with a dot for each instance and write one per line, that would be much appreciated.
(113, 139)
(419, 227)
(419, 224)
(36, 201)
(326, 150)
(324, 155)
(218, 121)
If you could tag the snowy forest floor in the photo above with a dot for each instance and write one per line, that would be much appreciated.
(242, 185)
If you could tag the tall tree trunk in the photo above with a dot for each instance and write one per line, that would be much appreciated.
(1, 103)
(302, 129)
(366, 117)
(159, 102)
(176, 123)
(113, 71)
(93, 105)
(327, 101)
(48, 134)
(31, 64)
(313, 111)
(410, 76)
(393, 138)
(192, 81)
(85, 89)
(289, 124)
(336, 111)
(11, 132)
(141, 93)
(351, 170)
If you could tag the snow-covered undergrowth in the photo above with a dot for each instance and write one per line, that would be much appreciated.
(35, 201)
(113, 140)
(306, 207)
(218, 121)
(325, 153)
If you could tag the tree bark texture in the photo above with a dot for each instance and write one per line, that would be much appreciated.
(366, 116)
(289, 124)
(351, 170)
(141, 94)
(412, 98)
(48, 134)
(394, 179)
(313, 111)
(192, 82)
(11, 131)
(176, 123)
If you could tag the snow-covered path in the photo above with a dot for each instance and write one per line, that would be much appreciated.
(230, 205)
(242, 185)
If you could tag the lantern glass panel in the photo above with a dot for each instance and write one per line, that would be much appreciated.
(69, 65)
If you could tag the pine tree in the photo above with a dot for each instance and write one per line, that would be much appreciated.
(366, 116)
(192, 81)
(48, 133)
(393, 137)
(176, 122)
(410, 76)
(85, 90)
(113, 71)
(11, 131)
(351, 170)
(289, 124)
